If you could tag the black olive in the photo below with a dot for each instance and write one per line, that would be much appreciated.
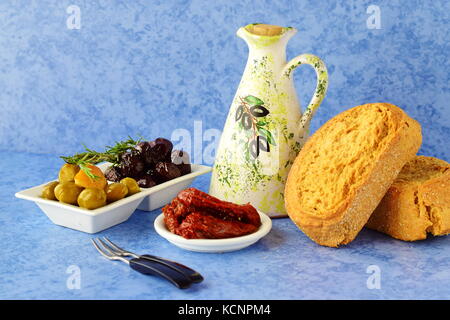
(168, 147)
(160, 150)
(151, 172)
(142, 146)
(146, 181)
(167, 171)
(184, 168)
(113, 174)
(144, 149)
(131, 164)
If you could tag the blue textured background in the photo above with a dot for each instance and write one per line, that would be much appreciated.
(150, 67)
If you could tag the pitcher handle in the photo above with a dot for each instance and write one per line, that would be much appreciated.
(321, 86)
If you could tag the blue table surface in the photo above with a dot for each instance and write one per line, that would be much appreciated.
(36, 256)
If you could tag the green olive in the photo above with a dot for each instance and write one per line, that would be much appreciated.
(67, 192)
(68, 172)
(92, 198)
(116, 191)
(49, 190)
(132, 185)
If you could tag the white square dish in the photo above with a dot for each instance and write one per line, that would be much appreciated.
(93, 221)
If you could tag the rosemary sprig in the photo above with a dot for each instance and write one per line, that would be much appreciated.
(111, 154)
(89, 156)
(114, 152)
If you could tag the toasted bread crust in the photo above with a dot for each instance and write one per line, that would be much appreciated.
(341, 224)
(417, 203)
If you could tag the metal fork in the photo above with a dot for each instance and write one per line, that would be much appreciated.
(192, 274)
(145, 266)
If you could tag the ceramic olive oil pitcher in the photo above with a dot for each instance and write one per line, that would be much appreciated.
(265, 128)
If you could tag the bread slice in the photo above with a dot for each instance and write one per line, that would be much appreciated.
(346, 167)
(417, 203)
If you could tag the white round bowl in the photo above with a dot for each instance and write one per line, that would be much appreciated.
(214, 245)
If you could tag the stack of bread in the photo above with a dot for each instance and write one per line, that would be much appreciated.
(361, 169)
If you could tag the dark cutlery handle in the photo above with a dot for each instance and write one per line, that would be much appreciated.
(192, 274)
(153, 268)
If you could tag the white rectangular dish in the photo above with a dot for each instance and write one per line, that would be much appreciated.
(93, 221)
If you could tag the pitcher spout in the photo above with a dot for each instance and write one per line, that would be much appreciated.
(264, 35)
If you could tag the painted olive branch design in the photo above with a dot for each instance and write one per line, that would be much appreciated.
(251, 112)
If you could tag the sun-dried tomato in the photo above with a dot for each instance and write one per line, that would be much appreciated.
(194, 214)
